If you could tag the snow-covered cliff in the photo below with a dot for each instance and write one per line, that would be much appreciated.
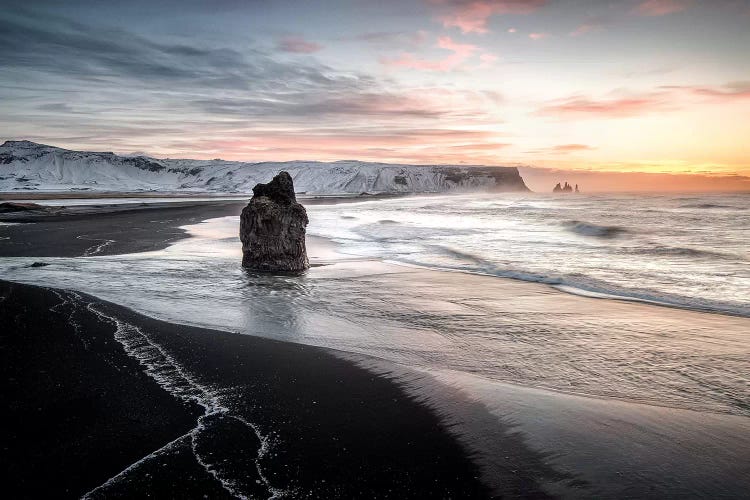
(28, 166)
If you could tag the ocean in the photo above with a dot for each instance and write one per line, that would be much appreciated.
(690, 251)
(416, 289)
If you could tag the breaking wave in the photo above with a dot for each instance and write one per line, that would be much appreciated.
(588, 229)
(574, 283)
(682, 252)
(709, 205)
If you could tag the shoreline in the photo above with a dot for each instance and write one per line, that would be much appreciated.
(323, 431)
(573, 290)
(481, 424)
(22, 237)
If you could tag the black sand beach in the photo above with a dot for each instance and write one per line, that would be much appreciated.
(105, 230)
(114, 229)
(109, 403)
(82, 410)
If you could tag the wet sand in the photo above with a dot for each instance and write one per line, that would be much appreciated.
(86, 416)
(114, 229)
(105, 230)
(81, 411)
(606, 442)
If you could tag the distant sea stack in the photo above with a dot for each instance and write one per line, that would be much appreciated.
(567, 188)
(272, 228)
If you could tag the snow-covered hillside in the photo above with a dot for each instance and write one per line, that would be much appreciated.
(27, 166)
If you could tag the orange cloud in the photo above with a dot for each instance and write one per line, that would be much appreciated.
(471, 16)
(569, 148)
(578, 106)
(460, 53)
(660, 7)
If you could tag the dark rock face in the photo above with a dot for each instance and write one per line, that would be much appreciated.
(272, 228)
(11, 207)
(567, 188)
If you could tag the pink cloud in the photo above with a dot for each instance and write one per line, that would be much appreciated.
(570, 148)
(561, 149)
(487, 60)
(460, 52)
(538, 36)
(471, 16)
(730, 92)
(578, 106)
(512, 30)
(298, 45)
(488, 146)
(583, 29)
(403, 145)
(660, 7)
(665, 98)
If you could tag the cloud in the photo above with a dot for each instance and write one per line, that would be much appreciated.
(460, 52)
(397, 144)
(618, 107)
(481, 146)
(109, 69)
(583, 29)
(295, 106)
(664, 98)
(65, 50)
(654, 8)
(730, 92)
(561, 149)
(98, 87)
(591, 24)
(487, 60)
(470, 16)
(399, 38)
(298, 45)
(538, 36)
(570, 148)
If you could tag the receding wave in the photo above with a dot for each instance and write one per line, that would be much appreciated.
(595, 230)
(708, 205)
(682, 252)
(577, 284)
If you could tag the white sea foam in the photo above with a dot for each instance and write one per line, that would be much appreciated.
(175, 379)
(637, 366)
(642, 248)
(97, 247)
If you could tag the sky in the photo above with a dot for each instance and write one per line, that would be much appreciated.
(605, 91)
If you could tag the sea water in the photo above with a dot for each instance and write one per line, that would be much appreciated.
(633, 399)
(691, 251)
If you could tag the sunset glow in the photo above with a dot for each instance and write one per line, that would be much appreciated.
(655, 86)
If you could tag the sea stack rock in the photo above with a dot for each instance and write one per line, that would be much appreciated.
(272, 228)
